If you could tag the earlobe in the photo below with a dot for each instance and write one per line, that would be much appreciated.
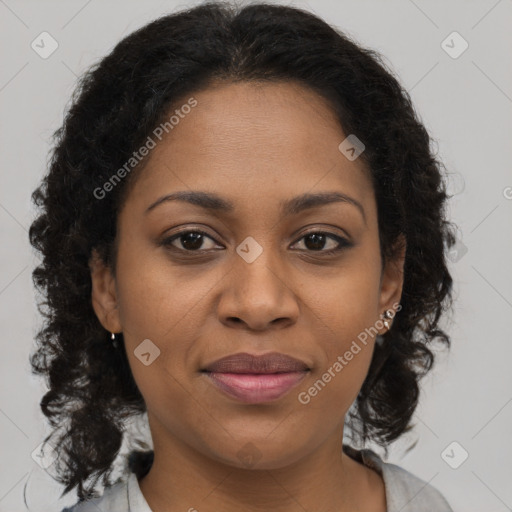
(103, 294)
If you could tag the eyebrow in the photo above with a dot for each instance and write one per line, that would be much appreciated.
(213, 202)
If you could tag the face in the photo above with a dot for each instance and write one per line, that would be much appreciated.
(204, 282)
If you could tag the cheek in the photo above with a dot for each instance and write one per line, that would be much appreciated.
(346, 304)
(343, 355)
(167, 305)
(156, 297)
(345, 314)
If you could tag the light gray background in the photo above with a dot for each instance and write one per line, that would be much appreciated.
(466, 103)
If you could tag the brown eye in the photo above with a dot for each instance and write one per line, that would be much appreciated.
(316, 241)
(191, 241)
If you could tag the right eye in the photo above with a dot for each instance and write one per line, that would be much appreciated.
(190, 240)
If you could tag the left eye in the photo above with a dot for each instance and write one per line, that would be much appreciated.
(315, 241)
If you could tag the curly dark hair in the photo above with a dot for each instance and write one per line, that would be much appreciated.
(116, 105)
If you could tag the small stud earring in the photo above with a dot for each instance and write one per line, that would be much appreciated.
(387, 315)
(114, 341)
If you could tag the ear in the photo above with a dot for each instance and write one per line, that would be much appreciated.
(104, 295)
(392, 279)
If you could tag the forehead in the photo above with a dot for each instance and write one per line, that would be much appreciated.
(236, 118)
(243, 139)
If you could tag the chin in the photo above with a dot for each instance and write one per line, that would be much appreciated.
(258, 454)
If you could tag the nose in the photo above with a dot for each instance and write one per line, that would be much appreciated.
(258, 296)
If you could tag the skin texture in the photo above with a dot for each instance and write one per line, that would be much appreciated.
(255, 145)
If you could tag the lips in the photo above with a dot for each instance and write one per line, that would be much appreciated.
(256, 379)
(267, 363)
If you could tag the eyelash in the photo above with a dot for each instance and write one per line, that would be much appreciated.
(343, 242)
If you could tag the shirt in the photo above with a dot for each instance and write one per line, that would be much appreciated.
(405, 492)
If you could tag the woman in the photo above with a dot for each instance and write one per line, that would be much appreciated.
(244, 237)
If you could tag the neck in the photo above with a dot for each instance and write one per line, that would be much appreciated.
(181, 478)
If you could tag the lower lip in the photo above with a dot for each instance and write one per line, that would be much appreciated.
(256, 388)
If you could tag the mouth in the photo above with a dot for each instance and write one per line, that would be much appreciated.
(256, 379)
(253, 388)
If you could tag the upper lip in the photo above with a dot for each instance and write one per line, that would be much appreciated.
(243, 362)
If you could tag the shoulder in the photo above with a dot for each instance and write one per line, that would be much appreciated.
(408, 492)
(405, 492)
(114, 498)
